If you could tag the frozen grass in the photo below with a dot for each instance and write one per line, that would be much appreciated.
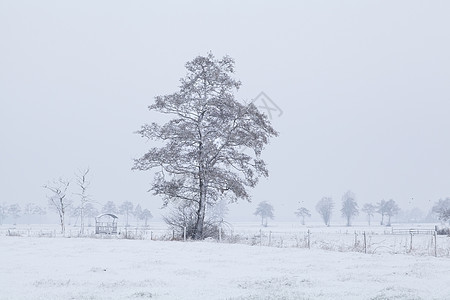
(79, 268)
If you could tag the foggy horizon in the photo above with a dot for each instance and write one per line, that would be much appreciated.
(363, 90)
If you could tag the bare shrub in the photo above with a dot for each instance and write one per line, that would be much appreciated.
(184, 217)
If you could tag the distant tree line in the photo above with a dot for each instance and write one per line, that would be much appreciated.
(76, 203)
(386, 209)
(14, 211)
(350, 209)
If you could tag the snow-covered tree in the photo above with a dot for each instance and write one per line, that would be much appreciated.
(325, 208)
(219, 210)
(303, 212)
(146, 214)
(137, 213)
(369, 209)
(442, 209)
(58, 199)
(265, 211)
(349, 207)
(32, 209)
(126, 209)
(391, 209)
(14, 211)
(110, 208)
(202, 159)
(90, 212)
(381, 209)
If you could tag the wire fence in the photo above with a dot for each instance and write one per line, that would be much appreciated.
(365, 242)
(394, 241)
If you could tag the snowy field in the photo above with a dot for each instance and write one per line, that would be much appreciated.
(86, 268)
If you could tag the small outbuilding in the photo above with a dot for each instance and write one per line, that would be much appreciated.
(106, 224)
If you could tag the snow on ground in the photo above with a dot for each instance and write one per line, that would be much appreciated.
(83, 268)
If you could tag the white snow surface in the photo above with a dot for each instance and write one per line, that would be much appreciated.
(87, 268)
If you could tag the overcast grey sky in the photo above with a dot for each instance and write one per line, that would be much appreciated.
(364, 87)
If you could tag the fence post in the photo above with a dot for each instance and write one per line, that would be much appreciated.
(411, 242)
(365, 243)
(356, 239)
(309, 239)
(220, 234)
(435, 243)
(151, 235)
(270, 237)
(184, 233)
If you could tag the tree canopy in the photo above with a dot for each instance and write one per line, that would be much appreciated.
(202, 159)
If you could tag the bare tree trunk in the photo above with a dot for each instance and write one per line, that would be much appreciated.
(82, 219)
(202, 188)
(201, 212)
(63, 229)
(61, 222)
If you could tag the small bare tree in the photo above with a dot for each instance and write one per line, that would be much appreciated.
(265, 211)
(349, 207)
(325, 208)
(83, 185)
(58, 199)
(303, 212)
(369, 209)
(183, 217)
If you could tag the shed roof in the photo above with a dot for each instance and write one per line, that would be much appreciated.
(111, 215)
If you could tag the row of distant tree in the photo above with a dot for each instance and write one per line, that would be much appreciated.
(126, 209)
(350, 210)
(71, 199)
(83, 206)
(14, 211)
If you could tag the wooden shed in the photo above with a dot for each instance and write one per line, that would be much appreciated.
(106, 224)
